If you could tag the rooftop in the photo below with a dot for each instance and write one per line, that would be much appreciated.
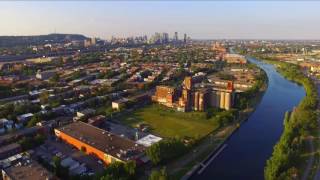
(105, 141)
(121, 100)
(149, 140)
(28, 170)
(87, 111)
(14, 135)
(25, 115)
(9, 147)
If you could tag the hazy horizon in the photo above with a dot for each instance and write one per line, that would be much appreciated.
(201, 20)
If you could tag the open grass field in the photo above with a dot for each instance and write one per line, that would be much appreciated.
(167, 122)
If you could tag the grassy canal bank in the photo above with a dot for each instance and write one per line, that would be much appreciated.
(296, 155)
(202, 150)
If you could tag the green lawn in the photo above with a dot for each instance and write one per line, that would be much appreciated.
(167, 122)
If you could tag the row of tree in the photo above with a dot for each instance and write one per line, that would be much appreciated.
(30, 142)
(12, 110)
(166, 150)
(286, 156)
(119, 170)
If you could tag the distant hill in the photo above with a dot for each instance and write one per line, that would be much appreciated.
(12, 41)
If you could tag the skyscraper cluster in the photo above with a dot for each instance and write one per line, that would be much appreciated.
(129, 40)
(156, 38)
(162, 38)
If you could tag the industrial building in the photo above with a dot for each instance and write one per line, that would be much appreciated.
(197, 99)
(165, 95)
(94, 141)
(235, 59)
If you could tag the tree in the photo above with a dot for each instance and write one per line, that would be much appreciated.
(297, 125)
(31, 142)
(59, 170)
(55, 78)
(26, 143)
(5, 91)
(159, 175)
(225, 117)
(34, 120)
(225, 76)
(165, 150)
(39, 139)
(130, 168)
(44, 97)
(119, 170)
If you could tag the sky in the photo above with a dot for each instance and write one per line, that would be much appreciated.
(199, 19)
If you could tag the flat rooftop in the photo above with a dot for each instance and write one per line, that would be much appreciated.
(22, 132)
(149, 140)
(28, 170)
(114, 145)
(9, 147)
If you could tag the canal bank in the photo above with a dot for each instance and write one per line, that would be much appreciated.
(250, 146)
(205, 158)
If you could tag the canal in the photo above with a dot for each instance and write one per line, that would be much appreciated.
(249, 148)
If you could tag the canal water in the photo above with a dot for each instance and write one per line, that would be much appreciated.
(249, 148)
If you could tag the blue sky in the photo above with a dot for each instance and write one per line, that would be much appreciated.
(199, 19)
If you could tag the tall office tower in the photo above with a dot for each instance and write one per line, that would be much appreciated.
(93, 41)
(185, 38)
(176, 37)
(145, 38)
(113, 39)
(87, 42)
(165, 37)
(156, 38)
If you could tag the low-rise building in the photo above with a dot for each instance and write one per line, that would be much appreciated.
(27, 170)
(44, 75)
(97, 120)
(165, 95)
(16, 135)
(24, 118)
(9, 150)
(235, 59)
(315, 68)
(119, 104)
(74, 167)
(5, 125)
(106, 82)
(40, 60)
(94, 141)
(9, 79)
(85, 113)
(148, 140)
